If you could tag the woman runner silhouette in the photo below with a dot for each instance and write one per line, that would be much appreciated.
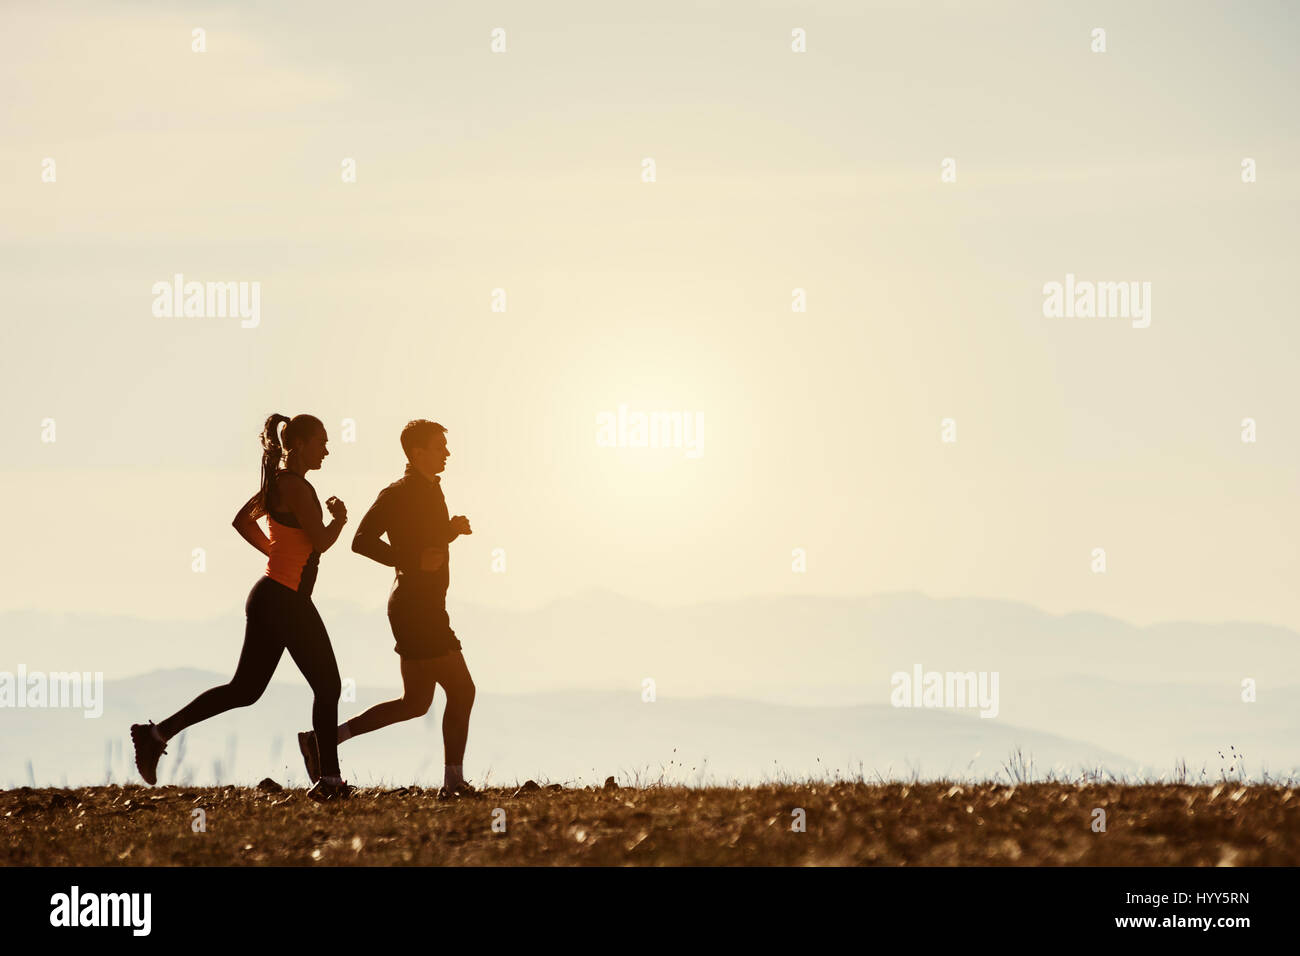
(280, 613)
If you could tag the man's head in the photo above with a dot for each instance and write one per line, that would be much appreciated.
(425, 444)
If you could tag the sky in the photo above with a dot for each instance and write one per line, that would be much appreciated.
(774, 171)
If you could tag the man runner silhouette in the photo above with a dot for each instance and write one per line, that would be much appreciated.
(413, 513)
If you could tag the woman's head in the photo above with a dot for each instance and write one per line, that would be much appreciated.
(289, 441)
(302, 436)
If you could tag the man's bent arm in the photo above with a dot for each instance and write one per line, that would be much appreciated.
(367, 540)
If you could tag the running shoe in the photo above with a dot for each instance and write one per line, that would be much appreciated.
(310, 755)
(324, 790)
(148, 749)
(455, 790)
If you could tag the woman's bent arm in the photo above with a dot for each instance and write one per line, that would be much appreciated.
(302, 503)
(249, 529)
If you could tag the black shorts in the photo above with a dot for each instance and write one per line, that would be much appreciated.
(421, 628)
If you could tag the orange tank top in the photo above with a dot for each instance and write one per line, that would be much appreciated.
(292, 561)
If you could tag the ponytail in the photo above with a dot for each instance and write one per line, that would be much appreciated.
(272, 453)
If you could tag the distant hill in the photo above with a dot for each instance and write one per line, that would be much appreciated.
(744, 683)
(579, 738)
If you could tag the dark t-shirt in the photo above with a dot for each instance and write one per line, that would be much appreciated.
(413, 513)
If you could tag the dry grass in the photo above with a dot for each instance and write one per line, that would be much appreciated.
(848, 823)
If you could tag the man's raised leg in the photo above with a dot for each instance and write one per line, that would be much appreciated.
(419, 679)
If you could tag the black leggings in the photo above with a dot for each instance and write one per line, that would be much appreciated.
(278, 619)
